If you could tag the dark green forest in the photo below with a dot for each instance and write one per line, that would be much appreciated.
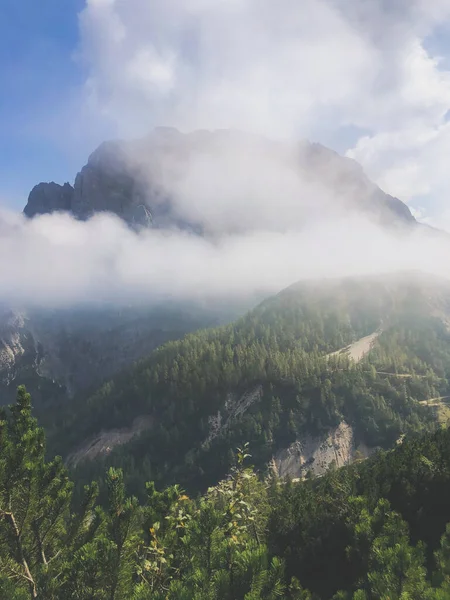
(268, 379)
(377, 529)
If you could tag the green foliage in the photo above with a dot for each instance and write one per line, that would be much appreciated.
(171, 547)
(269, 378)
(376, 530)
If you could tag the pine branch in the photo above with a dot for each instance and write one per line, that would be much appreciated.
(28, 503)
(39, 542)
(28, 576)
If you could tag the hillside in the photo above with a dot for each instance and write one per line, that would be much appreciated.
(376, 530)
(280, 378)
(59, 353)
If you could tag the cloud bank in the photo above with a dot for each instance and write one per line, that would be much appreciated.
(55, 260)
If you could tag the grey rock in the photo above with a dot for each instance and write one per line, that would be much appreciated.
(105, 184)
(47, 198)
(317, 454)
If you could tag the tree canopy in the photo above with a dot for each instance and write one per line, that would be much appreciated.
(377, 529)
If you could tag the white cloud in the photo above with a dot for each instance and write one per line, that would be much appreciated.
(287, 69)
(245, 64)
(411, 164)
(151, 72)
(54, 260)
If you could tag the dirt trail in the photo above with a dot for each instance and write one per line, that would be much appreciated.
(401, 375)
(434, 401)
(360, 348)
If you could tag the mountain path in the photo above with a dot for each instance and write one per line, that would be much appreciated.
(434, 401)
(360, 348)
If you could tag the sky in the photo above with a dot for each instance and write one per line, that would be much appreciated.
(368, 78)
(38, 75)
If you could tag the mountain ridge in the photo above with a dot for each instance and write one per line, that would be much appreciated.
(140, 180)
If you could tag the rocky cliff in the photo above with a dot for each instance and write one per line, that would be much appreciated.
(317, 454)
(105, 183)
(11, 343)
(49, 197)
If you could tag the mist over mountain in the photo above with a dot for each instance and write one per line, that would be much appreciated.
(171, 232)
(175, 233)
(218, 182)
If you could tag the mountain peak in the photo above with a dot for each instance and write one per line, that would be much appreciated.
(142, 181)
(104, 184)
(47, 198)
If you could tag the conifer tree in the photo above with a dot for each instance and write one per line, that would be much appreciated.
(34, 503)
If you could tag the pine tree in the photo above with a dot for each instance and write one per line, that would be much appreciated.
(122, 539)
(34, 504)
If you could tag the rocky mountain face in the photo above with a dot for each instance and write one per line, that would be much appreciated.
(12, 344)
(46, 198)
(316, 454)
(148, 182)
(104, 184)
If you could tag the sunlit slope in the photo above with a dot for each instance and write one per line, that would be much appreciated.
(271, 378)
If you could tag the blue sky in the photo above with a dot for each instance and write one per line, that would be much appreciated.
(38, 73)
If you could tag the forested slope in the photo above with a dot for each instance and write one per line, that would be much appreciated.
(271, 378)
